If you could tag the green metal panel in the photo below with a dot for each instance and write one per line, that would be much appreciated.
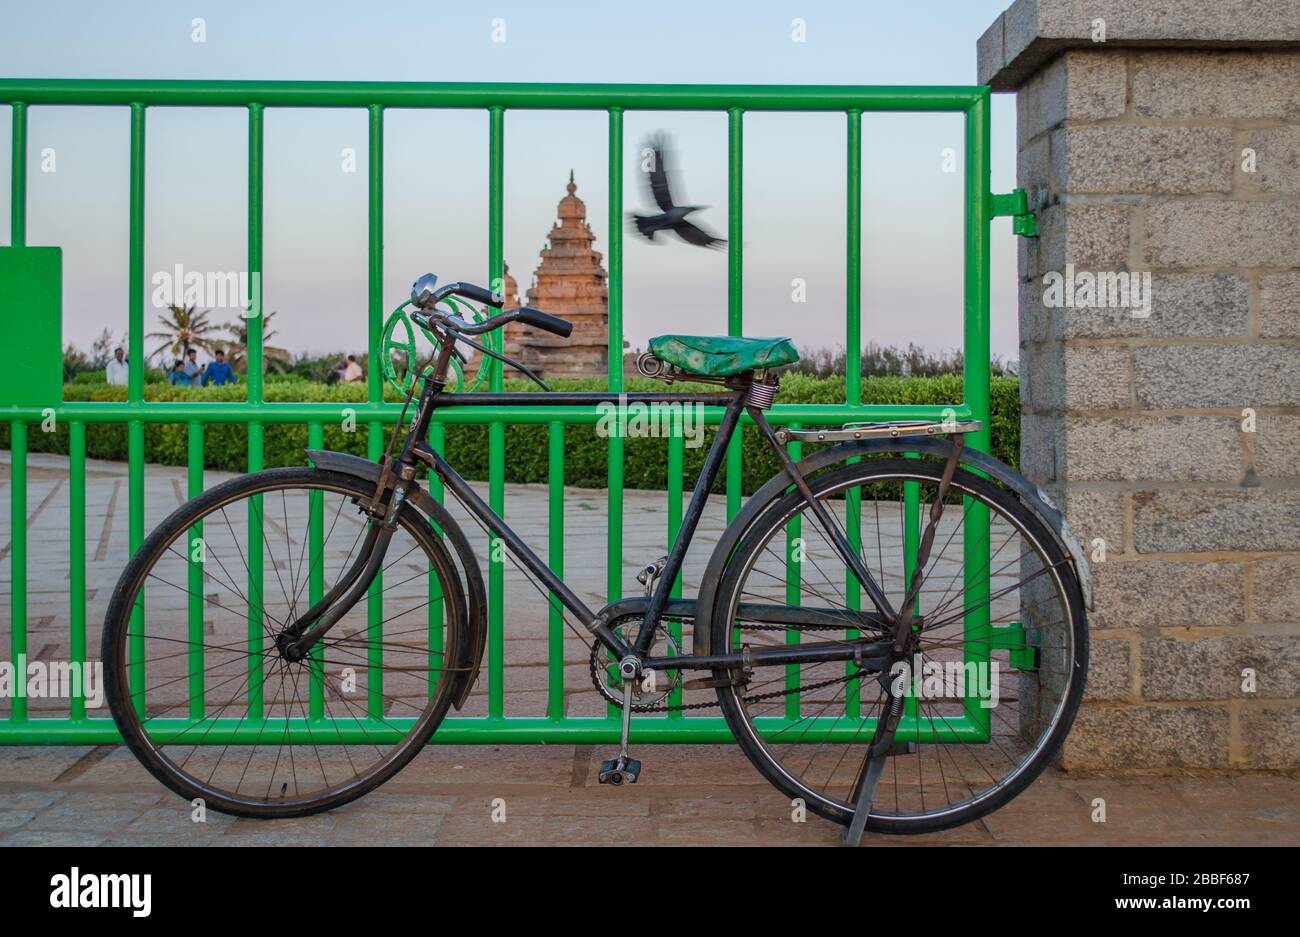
(31, 308)
(20, 406)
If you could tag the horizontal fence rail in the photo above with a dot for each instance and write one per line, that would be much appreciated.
(980, 206)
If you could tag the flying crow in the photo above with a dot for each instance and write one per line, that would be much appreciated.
(673, 217)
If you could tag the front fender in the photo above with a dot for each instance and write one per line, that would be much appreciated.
(1029, 493)
(475, 592)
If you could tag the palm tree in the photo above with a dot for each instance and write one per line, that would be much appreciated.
(273, 358)
(184, 327)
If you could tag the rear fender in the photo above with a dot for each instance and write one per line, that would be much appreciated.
(1029, 494)
(471, 657)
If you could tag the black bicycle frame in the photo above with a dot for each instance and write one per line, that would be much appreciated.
(415, 448)
(735, 404)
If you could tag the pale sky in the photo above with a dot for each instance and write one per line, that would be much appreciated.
(435, 166)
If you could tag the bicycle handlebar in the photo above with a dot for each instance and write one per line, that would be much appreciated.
(476, 293)
(529, 316)
(544, 321)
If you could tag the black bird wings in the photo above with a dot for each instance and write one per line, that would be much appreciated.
(658, 174)
(693, 235)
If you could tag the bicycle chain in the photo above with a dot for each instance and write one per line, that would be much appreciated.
(596, 666)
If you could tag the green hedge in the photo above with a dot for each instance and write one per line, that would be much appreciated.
(586, 462)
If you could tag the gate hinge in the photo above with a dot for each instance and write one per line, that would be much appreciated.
(1015, 204)
(1021, 654)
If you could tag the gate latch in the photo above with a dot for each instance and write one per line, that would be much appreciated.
(1015, 204)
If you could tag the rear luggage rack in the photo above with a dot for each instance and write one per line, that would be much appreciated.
(887, 430)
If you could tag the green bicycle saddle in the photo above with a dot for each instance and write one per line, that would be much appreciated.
(722, 355)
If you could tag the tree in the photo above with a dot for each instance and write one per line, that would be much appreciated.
(184, 327)
(74, 362)
(273, 358)
(101, 350)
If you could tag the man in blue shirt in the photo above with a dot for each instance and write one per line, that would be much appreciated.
(218, 372)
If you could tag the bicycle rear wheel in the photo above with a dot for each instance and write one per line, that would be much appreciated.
(207, 703)
(999, 664)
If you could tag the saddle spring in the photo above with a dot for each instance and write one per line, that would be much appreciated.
(762, 393)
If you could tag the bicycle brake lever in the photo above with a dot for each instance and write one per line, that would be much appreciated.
(425, 321)
(517, 365)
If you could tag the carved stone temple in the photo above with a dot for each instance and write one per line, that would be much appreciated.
(569, 283)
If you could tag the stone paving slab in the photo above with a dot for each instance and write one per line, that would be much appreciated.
(689, 795)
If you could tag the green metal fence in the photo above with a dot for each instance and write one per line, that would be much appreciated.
(981, 206)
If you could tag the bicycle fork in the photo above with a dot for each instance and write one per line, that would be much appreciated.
(300, 636)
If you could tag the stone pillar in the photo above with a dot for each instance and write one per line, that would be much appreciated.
(1168, 432)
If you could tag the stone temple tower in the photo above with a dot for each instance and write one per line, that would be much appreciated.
(569, 283)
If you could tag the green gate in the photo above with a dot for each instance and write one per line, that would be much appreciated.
(30, 281)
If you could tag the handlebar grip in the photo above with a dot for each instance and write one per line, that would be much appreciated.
(545, 321)
(480, 295)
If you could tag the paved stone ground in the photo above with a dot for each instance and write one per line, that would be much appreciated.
(687, 795)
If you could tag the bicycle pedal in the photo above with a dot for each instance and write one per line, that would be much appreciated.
(618, 770)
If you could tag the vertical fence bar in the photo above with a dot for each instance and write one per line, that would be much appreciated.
(18, 566)
(256, 570)
(975, 387)
(135, 394)
(77, 562)
(555, 559)
(197, 558)
(255, 320)
(614, 553)
(614, 477)
(676, 456)
(497, 429)
(18, 444)
(795, 550)
(436, 588)
(316, 577)
(256, 431)
(135, 262)
(18, 177)
(135, 537)
(853, 264)
(375, 393)
(853, 371)
(375, 599)
(853, 590)
(735, 282)
(911, 542)
(375, 208)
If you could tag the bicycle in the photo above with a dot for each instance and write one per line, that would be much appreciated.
(833, 699)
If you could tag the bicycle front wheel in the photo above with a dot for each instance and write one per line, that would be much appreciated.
(198, 688)
(997, 670)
